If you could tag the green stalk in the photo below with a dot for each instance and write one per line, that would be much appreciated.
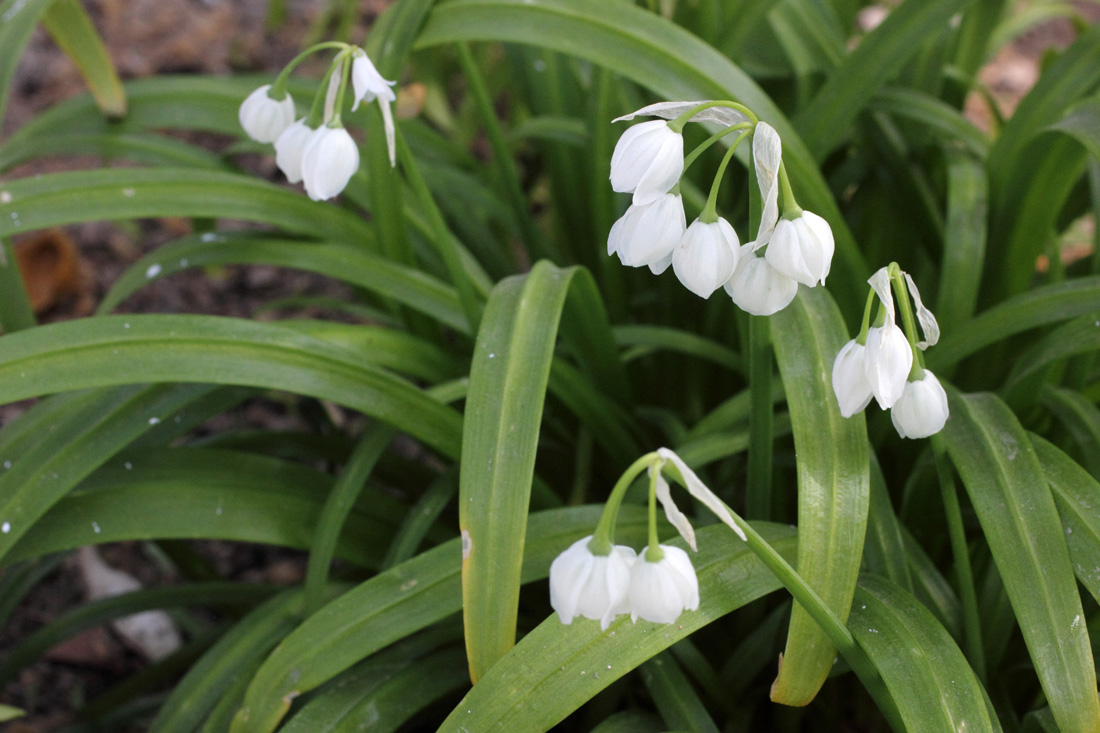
(709, 214)
(603, 537)
(901, 291)
(15, 309)
(702, 147)
(653, 552)
(278, 87)
(975, 652)
(758, 496)
(791, 209)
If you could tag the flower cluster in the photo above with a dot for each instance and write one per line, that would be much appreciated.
(596, 579)
(316, 149)
(792, 246)
(885, 361)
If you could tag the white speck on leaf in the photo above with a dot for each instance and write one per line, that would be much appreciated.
(95, 528)
(5, 197)
(128, 192)
(467, 544)
(129, 466)
(153, 271)
(5, 527)
(409, 584)
(125, 325)
(7, 464)
(154, 421)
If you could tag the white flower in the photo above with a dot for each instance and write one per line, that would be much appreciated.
(802, 248)
(887, 361)
(588, 585)
(264, 118)
(646, 235)
(328, 162)
(850, 383)
(648, 161)
(367, 82)
(660, 590)
(922, 409)
(289, 148)
(756, 287)
(706, 256)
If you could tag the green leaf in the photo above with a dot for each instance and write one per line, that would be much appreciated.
(1082, 123)
(108, 350)
(964, 240)
(7, 712)
(130, 193)
(930, 112)
(933, 685)
(833, 484)
(72, 30)
(15, 307)
(394, 604)
(1018, 516)
(1079, 336)
(675, 698)
(500, 436)
(555, 668)
(644, 340)
(17, 19)
(1081, 418)
(884, 549)
(136, 147)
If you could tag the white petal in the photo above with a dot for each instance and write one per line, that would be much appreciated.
(880, 283)
(328, 162)
(289, 148)
(648, 161)
(699, 490)
(660, 591)
(706, 256)
(661, 265)
(756, 287)
(671, 110)
(922, 409)
(663, 173)
(672, 512)
(767, 154)
(888, 359)
(367, 82)
(850, 385)
(650, 233)
(822, 233)
(802, 249)
(928, 324)
(263, 118)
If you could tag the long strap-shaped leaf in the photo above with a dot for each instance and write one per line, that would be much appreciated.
(17, 19)
(834, 486)
(1014, 505)
(96, 352)
(68, 22)
(394, 604)
(508, 377)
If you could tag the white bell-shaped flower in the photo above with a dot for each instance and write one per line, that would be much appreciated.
(850, 383)
(921, 410)
(264, 118)
(648, 161)
(647, 235)
(289, 148)
(706, 256)
(589, 585)
(802, 248)
(756, 287)
(367, 82)
(887, 361)
(328, 162)
(660, 591)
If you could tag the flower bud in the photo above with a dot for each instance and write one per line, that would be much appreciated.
(648, 161)
(328, 162)
(756, 287)
(589, 585)
(264, 118)
(802, 248)
(921, 410)
(646, 235)
(660, 590)
(289, 148)
(850, 384)
(887, 360)
(706, 256)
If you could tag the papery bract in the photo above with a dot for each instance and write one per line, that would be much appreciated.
(706, 256)
(329, 160)
(264, 118)
(767, 155)
(921, 410)
(589, 585)
(756, 287)
(660, 591)
(850, 384)
(646, 235)
(802, 248)
(648, 161)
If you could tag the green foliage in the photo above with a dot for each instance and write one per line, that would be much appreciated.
(508, 372)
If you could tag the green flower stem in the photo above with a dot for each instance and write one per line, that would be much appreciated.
(791, 209)
(702, 147)
(758, 498)
(345, 74)
(833, 627)
(975, 652)
(677, 124)
(278, 87)
(317, 109)
(602, 538)
(710, 211)
(862, 338)
(653, 553)
(901, 291)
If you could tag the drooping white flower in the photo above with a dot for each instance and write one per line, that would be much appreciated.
(767, 154)
(660, 591)
(289, 148)
(589, 585)
(648, 161)
(367, 82)
(706, 256)
(887, 359)
(802, 248)
(850, 384)
(756, 287)
(264, 118)
(647, 234)
(921, 410)
(329, 159)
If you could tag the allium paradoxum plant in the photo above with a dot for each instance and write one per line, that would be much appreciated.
(791, 246)
(600, 580)
(316, 149)
(885, 362)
